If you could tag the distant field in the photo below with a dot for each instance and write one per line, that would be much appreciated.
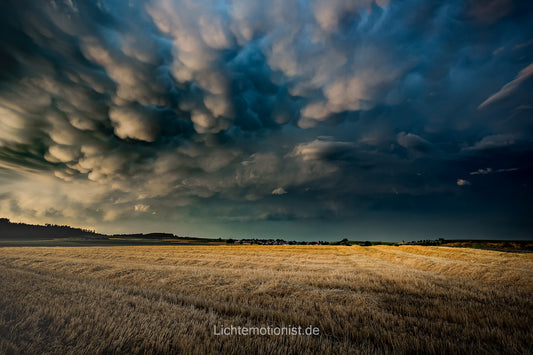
(167, 299)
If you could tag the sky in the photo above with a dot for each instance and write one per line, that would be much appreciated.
(307, 120)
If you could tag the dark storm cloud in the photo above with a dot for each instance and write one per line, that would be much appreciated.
(244, 110)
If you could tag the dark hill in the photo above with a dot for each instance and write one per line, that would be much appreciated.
(20, 231)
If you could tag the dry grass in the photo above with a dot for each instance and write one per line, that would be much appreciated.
(167, 299)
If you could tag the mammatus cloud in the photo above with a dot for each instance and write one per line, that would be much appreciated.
(134, 123)
(170, 110)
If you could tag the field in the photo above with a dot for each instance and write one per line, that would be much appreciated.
(170, 299)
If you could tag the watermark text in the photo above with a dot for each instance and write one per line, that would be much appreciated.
(266, 330)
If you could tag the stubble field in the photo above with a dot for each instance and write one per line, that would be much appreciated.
(169, 299)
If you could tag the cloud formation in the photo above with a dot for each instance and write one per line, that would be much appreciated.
(279, 191)
(463, 182)
(510, 87)
(210, 112)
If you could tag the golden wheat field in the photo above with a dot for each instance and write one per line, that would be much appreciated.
(171, 299)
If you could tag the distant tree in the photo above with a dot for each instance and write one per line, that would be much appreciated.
(367, 244)
(230, 241)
